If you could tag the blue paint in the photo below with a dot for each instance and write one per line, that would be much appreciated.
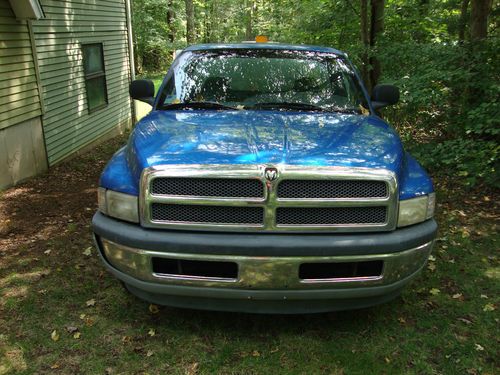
(263, 137)
(117, 175)
(414, 181)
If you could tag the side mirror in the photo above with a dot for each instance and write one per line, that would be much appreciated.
(143, 90)
(384, 95)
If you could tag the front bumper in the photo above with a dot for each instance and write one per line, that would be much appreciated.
(268, 266)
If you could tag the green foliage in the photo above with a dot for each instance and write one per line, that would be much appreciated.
(153, 50)
(469, 160)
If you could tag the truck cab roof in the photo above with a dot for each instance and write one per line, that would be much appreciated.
(269, 45)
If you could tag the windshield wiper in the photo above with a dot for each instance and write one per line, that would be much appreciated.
(288, 105)
(197, 105)
(302, 107)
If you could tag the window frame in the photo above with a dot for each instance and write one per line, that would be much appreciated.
(90, 76)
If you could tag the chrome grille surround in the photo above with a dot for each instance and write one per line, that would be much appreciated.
(269, 201)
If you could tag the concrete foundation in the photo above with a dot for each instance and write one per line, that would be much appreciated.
(22, 152)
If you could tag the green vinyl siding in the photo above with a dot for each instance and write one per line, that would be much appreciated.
(68, 124)
(19, 98)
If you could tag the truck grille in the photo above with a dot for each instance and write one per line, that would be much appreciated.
(330, 215)
(332, 189)
(241, 198)
(183, 213)
(208, 187)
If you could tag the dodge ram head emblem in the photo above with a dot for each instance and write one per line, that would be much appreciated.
(271, 174)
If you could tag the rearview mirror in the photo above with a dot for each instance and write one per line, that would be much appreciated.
(143, 90)
(384, 95)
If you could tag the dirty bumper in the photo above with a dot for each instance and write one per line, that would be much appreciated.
(299, 283)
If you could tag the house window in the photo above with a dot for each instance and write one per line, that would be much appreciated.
(95, 76)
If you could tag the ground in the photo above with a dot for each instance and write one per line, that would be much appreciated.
(62, 313)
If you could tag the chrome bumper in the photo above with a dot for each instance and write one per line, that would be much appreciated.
(265, 273)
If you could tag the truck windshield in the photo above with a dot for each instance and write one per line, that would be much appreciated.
(262, 79)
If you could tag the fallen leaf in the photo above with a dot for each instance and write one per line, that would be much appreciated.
(431, 266)
(432, 258)
(82, 316)
(149, 353)
(90, 302)
(192, 369)
(275, 350)
(77, 335)
(489, 307)
(54, 335)
(153, 309)
(87, 251)
(71, 329)
(466, 321)
(255, 353)
(151, 332)
(89, 322)
(47, 252)
(54, 366)
(484, 296)
(126, 339)
(434, 291)
(456, 296)
(387, 360)
(401, 320)
(479, 348)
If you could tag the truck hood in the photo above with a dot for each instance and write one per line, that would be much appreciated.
(263, 137)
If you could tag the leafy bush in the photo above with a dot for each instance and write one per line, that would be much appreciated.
(472, 161)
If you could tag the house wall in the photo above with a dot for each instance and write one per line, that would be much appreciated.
(68, 125)
(22, 150)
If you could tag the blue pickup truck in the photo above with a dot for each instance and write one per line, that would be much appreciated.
(264, 181)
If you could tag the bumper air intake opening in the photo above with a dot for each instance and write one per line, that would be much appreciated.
(340, 270)
(195, 268)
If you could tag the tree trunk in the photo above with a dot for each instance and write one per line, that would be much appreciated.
(480, 10)
(249, 7)
(462, 23)
(170, 20)
(189, 21)
(365, 39)
(377, 27)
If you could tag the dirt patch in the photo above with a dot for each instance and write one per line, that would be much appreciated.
(56, 202)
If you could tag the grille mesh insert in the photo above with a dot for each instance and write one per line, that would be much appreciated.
(330, 215)
(206, 214)
(332, 189)
(208, 187)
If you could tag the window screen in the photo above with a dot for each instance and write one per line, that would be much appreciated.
(95, 76)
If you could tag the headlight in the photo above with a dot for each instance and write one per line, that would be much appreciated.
(416, 210)
(118, 205)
